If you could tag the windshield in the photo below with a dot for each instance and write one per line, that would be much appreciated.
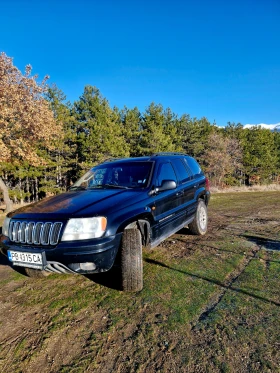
(121, 175)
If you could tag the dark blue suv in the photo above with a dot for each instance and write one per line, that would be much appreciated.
(115, 208)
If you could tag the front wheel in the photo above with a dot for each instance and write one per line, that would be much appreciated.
(200, 222)
(131, 260)
(36, 273)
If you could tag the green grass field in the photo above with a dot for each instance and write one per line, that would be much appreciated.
(209, 304)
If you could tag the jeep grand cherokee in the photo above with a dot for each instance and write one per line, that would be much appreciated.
(115, 208)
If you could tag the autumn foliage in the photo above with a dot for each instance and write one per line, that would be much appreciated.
(25, 116)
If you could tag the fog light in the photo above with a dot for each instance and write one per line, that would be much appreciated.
(87, 266)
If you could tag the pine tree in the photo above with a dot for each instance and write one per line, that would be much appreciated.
(259, 153)
(132, 127)
(62, 159)
(155, 137)
(99, 129)
(195, 133)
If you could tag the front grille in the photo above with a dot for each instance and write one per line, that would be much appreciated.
(35, 233)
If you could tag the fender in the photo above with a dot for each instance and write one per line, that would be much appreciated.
(144, 228)
(126, 217)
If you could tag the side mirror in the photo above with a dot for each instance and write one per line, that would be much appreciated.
(167, 185)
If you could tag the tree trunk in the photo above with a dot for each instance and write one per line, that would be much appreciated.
(20, 192)
(28, 189)
(36, 188)
(7, 201)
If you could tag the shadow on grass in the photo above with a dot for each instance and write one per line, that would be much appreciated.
(184, 231)
(273, 245)
(110, 279)
(152, 261)
(3, 259)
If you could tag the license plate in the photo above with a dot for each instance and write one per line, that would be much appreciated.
(25, 259)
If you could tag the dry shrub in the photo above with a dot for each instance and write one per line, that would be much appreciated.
(243, 188)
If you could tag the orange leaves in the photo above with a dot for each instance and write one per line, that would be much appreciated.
(25, 117)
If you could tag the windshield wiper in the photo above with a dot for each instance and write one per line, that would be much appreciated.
(97, 186)
(116, 186)
(77, 188)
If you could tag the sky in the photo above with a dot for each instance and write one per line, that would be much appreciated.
(206, 58)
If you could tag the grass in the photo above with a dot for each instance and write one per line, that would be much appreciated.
(209, 304)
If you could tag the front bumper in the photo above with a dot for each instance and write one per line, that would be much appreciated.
(67, 256)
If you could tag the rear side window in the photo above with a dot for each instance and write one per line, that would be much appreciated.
(166, 172)
(193, 165)
(181, 170)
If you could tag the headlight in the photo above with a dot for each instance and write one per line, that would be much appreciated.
(5, 228)
(84, 228)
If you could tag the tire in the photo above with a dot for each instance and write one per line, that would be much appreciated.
(200, 222)
(131, 260)
(36, 273)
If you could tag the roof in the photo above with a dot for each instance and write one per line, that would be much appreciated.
(161, 155)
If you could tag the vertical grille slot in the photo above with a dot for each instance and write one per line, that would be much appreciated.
(54, 237)
(23, 232)
(35, 233)
(16, 232)
(45, 233)
(29, 232)
(11, 227)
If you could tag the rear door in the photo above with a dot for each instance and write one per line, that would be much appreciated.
(187, 187)
(198, 182)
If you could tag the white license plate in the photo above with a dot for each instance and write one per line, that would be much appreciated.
(25, 259)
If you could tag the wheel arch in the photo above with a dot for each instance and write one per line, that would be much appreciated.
(142, 222)
(202, 195)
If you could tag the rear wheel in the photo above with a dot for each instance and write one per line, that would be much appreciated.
(200, 222)
(131, 260)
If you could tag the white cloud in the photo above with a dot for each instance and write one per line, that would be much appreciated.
(263, 125)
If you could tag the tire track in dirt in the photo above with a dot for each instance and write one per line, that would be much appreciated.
(228, 285)
(268, 259)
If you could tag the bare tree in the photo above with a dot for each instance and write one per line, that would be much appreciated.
(222, 158)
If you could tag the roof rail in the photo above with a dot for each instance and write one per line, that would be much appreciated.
(112, 159)
(167, 153)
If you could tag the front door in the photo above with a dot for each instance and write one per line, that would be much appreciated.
(165, 204)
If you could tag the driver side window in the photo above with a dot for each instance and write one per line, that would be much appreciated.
(166, 172)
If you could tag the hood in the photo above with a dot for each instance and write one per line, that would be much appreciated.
(79, 203)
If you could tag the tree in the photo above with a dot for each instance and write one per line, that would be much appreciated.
(277, 146)
(234, 130)
(132, 124)
(62, 158)
(155, 134)
(259, 153)
(171, 127)
(26, 121)
(195, 133)
(99, 129)
(222, 158)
